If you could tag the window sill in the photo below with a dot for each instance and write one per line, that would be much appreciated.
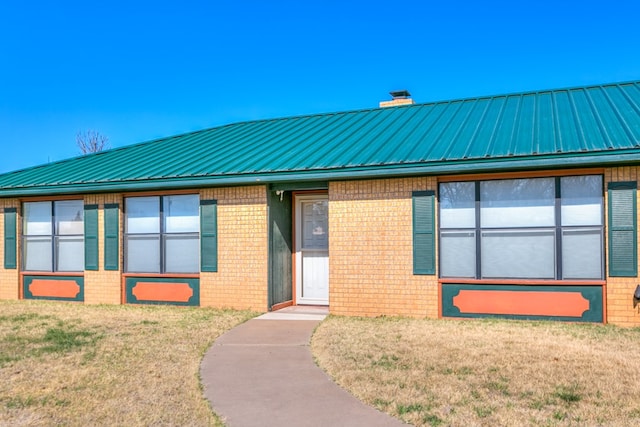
(522, 282)
(53, 273)
(177, 275)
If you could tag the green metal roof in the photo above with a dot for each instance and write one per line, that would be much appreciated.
(584, 126)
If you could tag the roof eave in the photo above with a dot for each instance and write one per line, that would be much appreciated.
(504, 164)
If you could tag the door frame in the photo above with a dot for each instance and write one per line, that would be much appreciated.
(299, 196)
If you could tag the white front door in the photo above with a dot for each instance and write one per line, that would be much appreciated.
(312, 250)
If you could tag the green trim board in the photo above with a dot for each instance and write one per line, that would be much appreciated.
(490, 165)
(300, 186)
(10, 242)
(162, 291)
(623, 229)
(587, 300)
(57, 288)
(111, 236)
(91, 249)
(209, 235)
(424, 251)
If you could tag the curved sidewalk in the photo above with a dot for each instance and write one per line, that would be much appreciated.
(261, 373)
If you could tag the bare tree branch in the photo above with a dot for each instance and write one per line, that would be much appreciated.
(91, 142)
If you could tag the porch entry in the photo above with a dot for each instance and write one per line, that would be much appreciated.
(312, 249)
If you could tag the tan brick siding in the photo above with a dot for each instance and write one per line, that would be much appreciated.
(9, 278)
(620, 305)
(241, 281)
(371, 250)
(102, 286)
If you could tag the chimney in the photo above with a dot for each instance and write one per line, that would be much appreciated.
(400, 97)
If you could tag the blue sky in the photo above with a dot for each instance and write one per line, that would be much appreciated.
(140, 70)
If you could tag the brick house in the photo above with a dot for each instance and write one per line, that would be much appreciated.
(521, 205)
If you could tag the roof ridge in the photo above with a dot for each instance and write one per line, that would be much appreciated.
(418, 104)
(224, 134)
(310, 115)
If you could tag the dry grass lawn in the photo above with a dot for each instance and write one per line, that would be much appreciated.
(486, 373)
(72, 364)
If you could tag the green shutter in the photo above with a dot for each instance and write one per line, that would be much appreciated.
(111, 237)
(424, 254)
(10, 238)
(91, 237)
(208, 235)
(623, 247)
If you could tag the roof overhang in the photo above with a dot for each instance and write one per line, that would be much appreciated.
(593, 159)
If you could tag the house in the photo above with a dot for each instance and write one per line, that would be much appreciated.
(521, 205)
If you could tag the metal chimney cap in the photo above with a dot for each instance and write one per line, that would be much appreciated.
(400, 94)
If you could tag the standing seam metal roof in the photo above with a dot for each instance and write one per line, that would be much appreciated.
(575, 126)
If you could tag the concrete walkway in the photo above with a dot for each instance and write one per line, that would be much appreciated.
(261, 373)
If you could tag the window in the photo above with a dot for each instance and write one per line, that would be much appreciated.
(532, 228)
(162, 234)
(53, 236)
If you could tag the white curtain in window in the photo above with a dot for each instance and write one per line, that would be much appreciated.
(69, 215)
(69, 254)
(457, 205)
(458, 254)
(182, 213)
(37, 254)
(582, 254)
(581, 200)
(143, 214)
(517, 203)
(182, 254)
(518, 254)
(143, 254)
(37, 219)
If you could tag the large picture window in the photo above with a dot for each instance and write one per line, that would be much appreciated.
(53, 236)
(531, 228)
(162, 234)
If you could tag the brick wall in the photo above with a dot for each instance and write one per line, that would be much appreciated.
(371, 250)
(241, 281)
(9, 279)
(620, 305)
(102, 286)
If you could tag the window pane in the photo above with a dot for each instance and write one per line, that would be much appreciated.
(518, 254)
(37, 254)
(182, 213)
(182, 254)
(69, 216)
(143, 214)
(143, 254)
(37, 219)
(582, 254)
(458, 205)
(581, 200)
(69, 254)
(517, 203)
(315, 225)
(458, 254)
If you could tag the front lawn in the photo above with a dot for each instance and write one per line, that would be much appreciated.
(76, 365)
(486, 372)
